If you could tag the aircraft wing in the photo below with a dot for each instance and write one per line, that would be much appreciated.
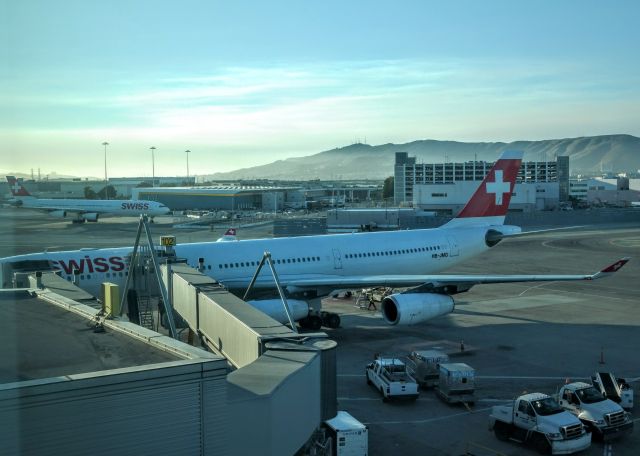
(443, 283)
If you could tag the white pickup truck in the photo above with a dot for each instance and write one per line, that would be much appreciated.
(605, 418)
(390, 377)
(538, 419)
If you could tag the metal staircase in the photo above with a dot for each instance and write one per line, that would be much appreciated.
(145, 310)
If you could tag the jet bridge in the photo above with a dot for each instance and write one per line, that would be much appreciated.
(284, 386)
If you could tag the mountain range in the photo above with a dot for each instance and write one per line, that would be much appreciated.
(590, 155)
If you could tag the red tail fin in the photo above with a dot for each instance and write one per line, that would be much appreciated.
(490, 202)
(17, 189)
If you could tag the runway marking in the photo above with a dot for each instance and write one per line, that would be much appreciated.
(588, 294)
(429, 420)
(626, 242)
(534, 287)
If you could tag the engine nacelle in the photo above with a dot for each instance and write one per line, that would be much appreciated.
(412, 308)
(59, 214)
(90, 216)
(275, 309)
(496, 233)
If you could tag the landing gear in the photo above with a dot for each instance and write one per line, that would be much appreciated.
(312, 322)
(315, 322)
(330, 320)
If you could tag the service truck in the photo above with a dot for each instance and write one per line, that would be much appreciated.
(390, 377)
(456, 383)
(424, 366)
(349, 437)
(603, 417)
(538, 419)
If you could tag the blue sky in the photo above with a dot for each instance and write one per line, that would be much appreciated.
(248, 83)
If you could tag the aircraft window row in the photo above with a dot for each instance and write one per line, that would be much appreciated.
(394, 252)
(88, 276)
(245, 264)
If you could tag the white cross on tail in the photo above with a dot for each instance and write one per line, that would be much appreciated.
(498, 187)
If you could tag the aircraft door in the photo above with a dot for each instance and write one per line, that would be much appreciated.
(454, 249)
(337, 259)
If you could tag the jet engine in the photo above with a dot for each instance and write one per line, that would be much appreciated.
(412, 308)
(90, 217)
(275, 309)
(61, 214)
(497, 233)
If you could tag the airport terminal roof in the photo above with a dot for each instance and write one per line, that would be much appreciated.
(213, 191)
(41, 340)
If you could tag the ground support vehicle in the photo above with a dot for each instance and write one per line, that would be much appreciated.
(349, 437)
(538, 419)
(603, 417)
(456, 383)
(424, 366)
(616, 389)
(390, 377)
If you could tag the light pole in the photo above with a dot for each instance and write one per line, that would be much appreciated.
(105, 144)
(187, 152)
(153, 166)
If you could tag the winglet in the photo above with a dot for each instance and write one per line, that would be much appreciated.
(611, 268)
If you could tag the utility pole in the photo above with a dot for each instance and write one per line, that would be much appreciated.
(153, 166)
(187, 152)
(106, 192)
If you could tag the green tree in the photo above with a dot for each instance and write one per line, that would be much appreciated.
(387, 188)
(108, 192)
(89, 193)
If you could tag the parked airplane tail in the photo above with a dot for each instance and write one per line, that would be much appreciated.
(17, 189)
(489, 203)
(229, 235)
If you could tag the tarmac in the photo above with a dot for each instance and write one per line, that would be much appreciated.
(518, 337)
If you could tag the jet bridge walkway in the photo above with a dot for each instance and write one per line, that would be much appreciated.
(284, 384)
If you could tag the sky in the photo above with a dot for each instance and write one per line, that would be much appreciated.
(245, 83)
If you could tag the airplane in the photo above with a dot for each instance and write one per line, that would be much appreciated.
(85, 209)
(311, 267)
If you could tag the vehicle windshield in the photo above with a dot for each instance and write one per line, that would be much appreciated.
(590, 395)
(546, 406)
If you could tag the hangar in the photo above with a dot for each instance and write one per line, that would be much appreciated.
(228, 198)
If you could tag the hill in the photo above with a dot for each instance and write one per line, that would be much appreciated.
(589, 155)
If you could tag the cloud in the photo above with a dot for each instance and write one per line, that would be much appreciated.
(244, 116)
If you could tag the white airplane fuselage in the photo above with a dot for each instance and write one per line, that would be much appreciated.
(325, 257)
(119, 207)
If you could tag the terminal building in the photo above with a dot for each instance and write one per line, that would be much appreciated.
(621, 192)
(446, 187)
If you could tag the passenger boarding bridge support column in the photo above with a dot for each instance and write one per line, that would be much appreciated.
(267, 258)
(154, 258)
